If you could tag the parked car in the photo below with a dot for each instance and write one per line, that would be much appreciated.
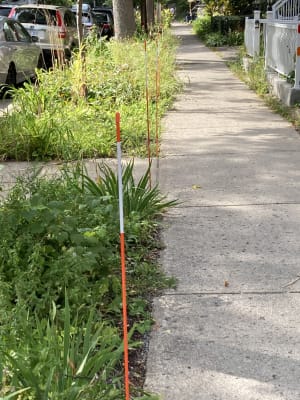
(5, 9)
(19, 53)
(105, 10)
(55, 27)
(104, 23)
(86, 17)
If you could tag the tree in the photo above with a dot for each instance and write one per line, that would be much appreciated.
(124, 20)
(213, 7)
(241, 7)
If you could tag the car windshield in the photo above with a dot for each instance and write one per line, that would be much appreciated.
(36, 16)
(101, 18)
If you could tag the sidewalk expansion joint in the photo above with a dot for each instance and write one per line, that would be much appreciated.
(222, 153)
(288, 203)
(235, 293)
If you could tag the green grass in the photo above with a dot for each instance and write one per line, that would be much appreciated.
(56, 122)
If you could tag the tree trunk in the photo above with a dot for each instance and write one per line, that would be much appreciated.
(124, 20)
(144, 22)
(79, 21)
(150, 13)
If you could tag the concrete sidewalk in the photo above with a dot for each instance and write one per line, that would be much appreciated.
(231, 329)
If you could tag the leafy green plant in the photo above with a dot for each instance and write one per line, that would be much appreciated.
(63, 232)
(64, 363)
(138, 198)
(235, 38)
(202, 26)
(215, 39)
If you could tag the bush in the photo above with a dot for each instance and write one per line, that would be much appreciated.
(214, 32)
(215, 40)
(226, 24)
(202, 26)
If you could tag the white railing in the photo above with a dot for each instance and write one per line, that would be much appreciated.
(286, 10)
(281, 38)
(280, 46)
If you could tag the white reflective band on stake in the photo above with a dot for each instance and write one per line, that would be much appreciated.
(122, 255)
(120, 186)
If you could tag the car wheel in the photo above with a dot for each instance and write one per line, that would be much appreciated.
(11, 78)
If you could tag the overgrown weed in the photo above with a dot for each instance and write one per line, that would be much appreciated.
(57, 122)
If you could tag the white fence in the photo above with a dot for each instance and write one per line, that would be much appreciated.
(280, 46)
(277, 37)
(286, 9)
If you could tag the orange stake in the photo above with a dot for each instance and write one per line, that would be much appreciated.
(147, 112)
(157, 75)
(122, 254)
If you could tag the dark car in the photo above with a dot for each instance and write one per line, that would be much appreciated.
(104, 23)
(106, 10)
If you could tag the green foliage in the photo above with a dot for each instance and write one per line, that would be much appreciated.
(254, 75)
(214, 32)
(235, 38)
(61, 235)
(226, 24)
(240, 7)
(213, 7)
(68, 362)
(215, 40)
(202, 26)
(114, 74)
(138, 199)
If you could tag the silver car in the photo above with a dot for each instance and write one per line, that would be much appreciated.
(55, 26)
(19, 54)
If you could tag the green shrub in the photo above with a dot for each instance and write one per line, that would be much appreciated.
(61, 235)
(64, 232)
(235, 38)
(214, 32)
(215, 40)
(202, 26)
(226, 24)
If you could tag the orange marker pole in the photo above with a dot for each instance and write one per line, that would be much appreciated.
(157, 97)
(122, 251)
(147, 111)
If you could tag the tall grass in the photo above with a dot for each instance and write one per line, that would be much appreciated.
(51, 120)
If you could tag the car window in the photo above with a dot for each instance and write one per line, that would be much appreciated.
(9, 33)
(21, 33)
(14, 32)
(36, 16)
(101, 18)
